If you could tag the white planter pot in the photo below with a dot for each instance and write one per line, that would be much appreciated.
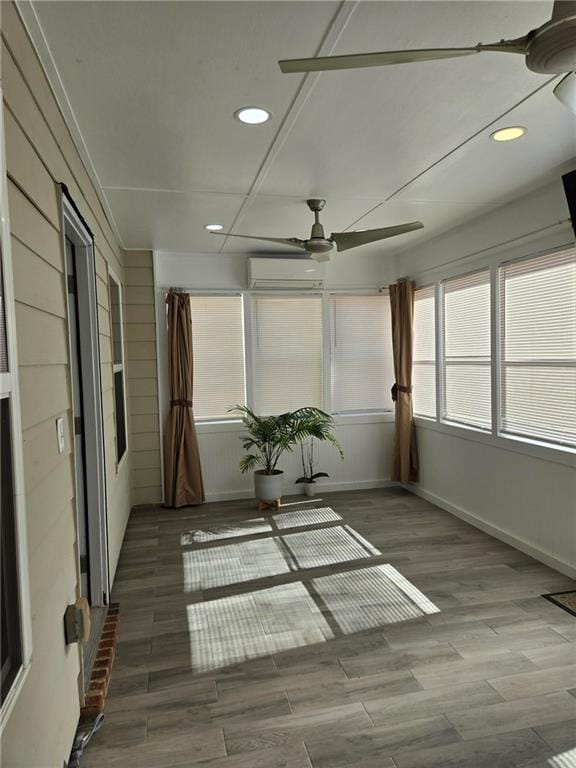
(309, 489)
(268, 487)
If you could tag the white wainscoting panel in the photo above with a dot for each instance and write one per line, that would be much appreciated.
(367, 460)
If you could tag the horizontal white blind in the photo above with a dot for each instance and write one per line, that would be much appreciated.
(424, 353)
(362, 366)
(287, 349)
(218, 354)
(466, 369)
(538, 347)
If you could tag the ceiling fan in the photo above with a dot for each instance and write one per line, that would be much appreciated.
(550, 49)
(319, 246)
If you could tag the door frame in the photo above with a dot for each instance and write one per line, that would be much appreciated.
(75, 229)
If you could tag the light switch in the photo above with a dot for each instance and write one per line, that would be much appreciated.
(60, 435)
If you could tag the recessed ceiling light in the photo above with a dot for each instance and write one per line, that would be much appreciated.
(213, 227)
(252, 115)
(508, 134)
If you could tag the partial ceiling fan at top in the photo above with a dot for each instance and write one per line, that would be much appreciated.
(319, 246)
(549, 49)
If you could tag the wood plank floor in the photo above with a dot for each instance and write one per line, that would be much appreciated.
(369, 629)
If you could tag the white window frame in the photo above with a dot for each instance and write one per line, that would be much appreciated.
(328, 320)
(248, 340)
(248, 365)
(497, 379)
(231, 425)
(436, 290)
(441, 361)
(562, 454)
(10, 387)
(119, 367)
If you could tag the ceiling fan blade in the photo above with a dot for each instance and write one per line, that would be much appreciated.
(565, 91)
(384, 58)
(293, 241)
(346, 240)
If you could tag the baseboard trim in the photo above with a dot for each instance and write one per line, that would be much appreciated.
(362, 485)
(495, 531)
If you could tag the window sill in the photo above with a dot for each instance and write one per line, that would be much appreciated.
(340, 420)
(546, 452)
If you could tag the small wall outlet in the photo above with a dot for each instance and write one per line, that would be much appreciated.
(60, 435)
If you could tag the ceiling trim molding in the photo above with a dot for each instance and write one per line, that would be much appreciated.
(326, 47)
(36, 33)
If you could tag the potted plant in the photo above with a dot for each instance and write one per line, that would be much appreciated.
(269, 436)
(309, 477)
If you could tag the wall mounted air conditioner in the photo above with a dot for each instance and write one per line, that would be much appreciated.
(295, 274)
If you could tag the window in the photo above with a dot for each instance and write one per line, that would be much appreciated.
(287, 351)
(218, 344)
(424, 354)
(361, 354)
(538, 347)
(466, 365)
(117, 330)
(15, 647)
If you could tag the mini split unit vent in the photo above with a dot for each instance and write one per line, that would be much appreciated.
(285, 273)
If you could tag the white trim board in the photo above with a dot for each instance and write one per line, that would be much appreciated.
(493, 530)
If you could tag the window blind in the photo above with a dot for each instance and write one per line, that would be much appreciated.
(538, 347)
(466, 365)
(218, 354)
(362, 366)
(424, 353)
(287, 349)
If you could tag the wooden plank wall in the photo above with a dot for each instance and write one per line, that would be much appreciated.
(142, 377)
(40, 155)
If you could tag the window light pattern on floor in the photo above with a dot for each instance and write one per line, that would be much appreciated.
(301, 518)
(234, 629)
(371, 597)
(327, 546)
(564, 760)
(232, 564)
(226, 531)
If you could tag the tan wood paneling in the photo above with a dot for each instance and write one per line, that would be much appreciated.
(140, 313)
(142, 387)
(139, 277)
(42, 338)
(26, 168)
(37, 283)
(44, 394)
(32, 229)
(141, 350)
(143, 405)
(140, 332)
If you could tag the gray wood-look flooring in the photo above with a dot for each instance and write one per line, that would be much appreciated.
(369, 629)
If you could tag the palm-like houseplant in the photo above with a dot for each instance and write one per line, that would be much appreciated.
(270, 436)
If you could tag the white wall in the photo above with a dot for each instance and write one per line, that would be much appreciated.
(521, 493)
(367, 440)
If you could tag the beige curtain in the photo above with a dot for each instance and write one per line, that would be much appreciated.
(405, 464)
(182, 473)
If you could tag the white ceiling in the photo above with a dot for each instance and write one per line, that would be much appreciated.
(153, 87)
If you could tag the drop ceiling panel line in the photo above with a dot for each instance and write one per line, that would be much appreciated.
(327, 45)
(456, 148)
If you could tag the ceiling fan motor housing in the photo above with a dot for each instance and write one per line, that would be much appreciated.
(552, 47)
(319, 245)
